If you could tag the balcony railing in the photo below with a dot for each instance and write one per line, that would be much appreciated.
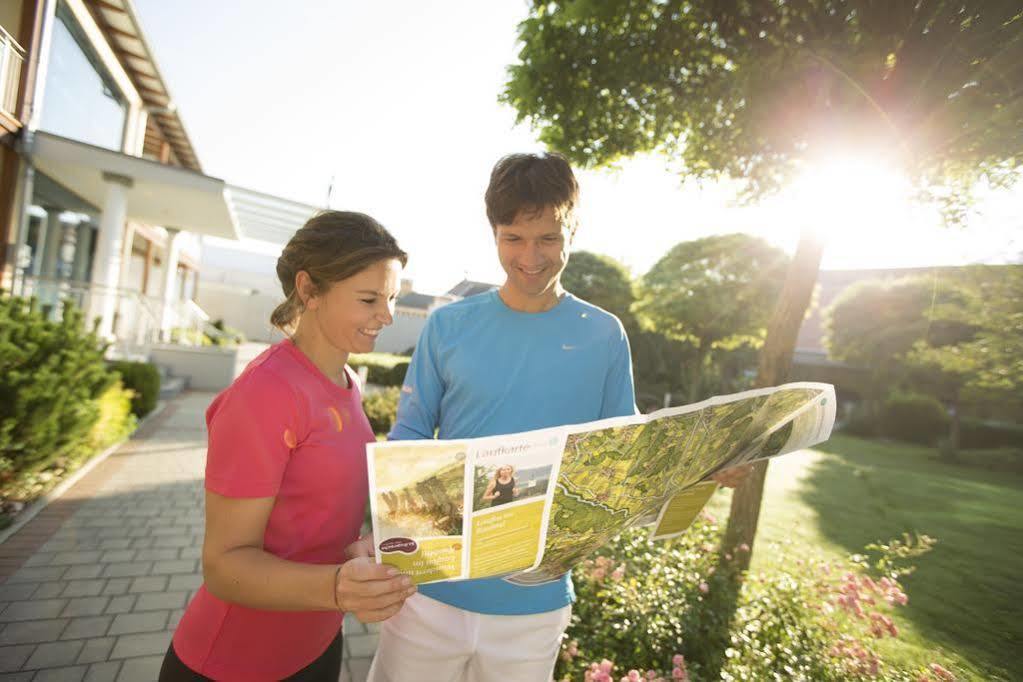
(12, 56)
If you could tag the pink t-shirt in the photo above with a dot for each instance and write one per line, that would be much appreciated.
(282, 430)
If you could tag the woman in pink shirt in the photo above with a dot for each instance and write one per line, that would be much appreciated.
(286, 474)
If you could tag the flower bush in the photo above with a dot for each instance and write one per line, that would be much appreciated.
(677, 611)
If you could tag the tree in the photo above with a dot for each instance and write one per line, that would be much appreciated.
(754, 89)
(602, 281)
(714, 292)
(894, 328)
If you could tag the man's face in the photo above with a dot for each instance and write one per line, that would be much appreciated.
(533, 251)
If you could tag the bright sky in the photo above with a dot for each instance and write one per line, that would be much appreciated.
(398, 103)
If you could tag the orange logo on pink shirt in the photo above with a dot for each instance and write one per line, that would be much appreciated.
(337, 418)
(289, 439)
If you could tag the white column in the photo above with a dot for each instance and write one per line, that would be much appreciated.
(106, 271)
(169, 292)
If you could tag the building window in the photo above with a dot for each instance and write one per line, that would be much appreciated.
(81, 100)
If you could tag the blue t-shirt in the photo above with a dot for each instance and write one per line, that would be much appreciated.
(483, 369)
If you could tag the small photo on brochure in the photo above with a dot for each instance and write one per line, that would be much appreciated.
(419, 491)
(498, 484)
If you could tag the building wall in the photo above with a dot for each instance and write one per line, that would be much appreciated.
(248, 313)
(403, 333)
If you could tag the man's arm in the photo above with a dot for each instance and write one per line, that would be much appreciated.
(619, 391)
(421, 393)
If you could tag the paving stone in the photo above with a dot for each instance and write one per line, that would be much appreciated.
(175, 618)
(147, 644)
(156, 554)
(83, 572)
(117, 555)
(103, 672)
(142, 543)
(127, 569)
(134, 669)
(117, 586)
(56, 544)
(138, 533)
(84, 588)
(33, 610)
(54, 654)
(89, 626)
(75, 673)
(96, 650)
(361, 646)
(160, 600)
(33, 631)
(130, 623)
(17, 677)
(68, 558)
(115, 543)
(176, 566)
(17, 591)
(85, 606)
(37, 574)
(185, 582)
(359, 668)
(151, 583)
(173, 541)
(13, 657)
(191, 552)
(122, 604)
(40, 559)
(48, 590)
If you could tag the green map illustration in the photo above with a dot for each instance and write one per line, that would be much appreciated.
(613, 477)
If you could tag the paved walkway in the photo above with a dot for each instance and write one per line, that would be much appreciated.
(94, 585)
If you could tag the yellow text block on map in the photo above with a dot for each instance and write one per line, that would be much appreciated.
(505, 540)
(681, 511)
(433, 559)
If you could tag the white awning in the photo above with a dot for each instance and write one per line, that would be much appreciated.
(266, 217)
(163, 195)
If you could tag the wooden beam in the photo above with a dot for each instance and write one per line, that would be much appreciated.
(106, 5)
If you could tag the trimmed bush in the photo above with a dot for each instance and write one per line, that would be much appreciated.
(142, 378)
(381, 373)
(51, 374)
(381, 407)
(978, 434)
(914, 418)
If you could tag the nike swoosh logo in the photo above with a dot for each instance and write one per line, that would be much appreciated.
(565, 346)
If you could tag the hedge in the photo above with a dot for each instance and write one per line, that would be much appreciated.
(142, 378)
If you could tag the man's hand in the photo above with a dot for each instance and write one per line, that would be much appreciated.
(371, 592)
(732, 478)
(363, 547)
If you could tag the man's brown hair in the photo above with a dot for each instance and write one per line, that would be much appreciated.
(531, 183)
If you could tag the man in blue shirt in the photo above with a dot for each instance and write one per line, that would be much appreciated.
(528, 355)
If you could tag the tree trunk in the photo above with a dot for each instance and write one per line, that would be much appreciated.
(775, 363)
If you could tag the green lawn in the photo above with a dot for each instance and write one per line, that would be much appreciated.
(966, 597)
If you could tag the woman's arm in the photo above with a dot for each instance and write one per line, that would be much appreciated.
(237, 569)
(488, 494)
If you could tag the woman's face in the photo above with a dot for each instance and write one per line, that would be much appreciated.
(352, 312)
(504, 472)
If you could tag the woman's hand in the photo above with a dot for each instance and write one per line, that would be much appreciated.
(363, 547)
(372, 592)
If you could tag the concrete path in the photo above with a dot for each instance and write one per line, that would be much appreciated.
(94, 585)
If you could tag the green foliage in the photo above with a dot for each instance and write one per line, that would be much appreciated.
(142, 378)
(640, 605)
(117, 418)
(602, 281)
(750, 89)
(51, 374)
(981, 434)
(382, 370)
(914, 418)
(225, 336)
(714, 293)
(381, 408)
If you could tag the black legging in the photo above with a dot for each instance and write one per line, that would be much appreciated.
(326, 668)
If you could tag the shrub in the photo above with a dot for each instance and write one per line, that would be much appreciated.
(381, 373)
(914, 418)
(142, 378)
(980, 434)
(51, 374)
(664, 608)
(381, 407)
(117, 418)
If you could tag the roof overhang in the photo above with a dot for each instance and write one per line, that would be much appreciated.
(159, 194)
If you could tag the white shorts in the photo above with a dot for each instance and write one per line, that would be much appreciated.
(434, 642)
